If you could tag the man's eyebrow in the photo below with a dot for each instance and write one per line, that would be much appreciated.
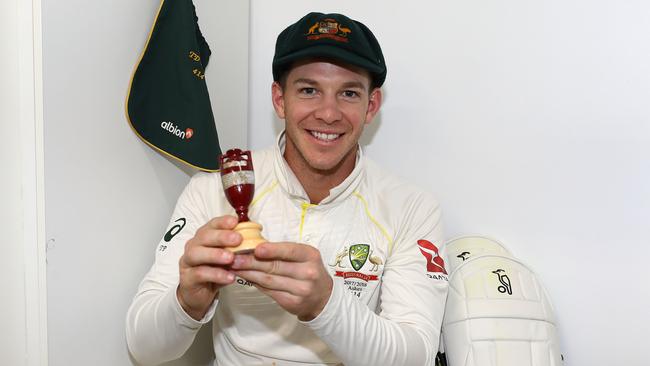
(348, 84)
(305, 81)
(354, 84)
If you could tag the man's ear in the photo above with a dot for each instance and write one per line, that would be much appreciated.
(277, 97)
(374, 103)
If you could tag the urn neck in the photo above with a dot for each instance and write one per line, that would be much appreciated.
(242, 214)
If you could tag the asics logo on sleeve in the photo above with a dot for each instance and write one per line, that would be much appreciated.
(434, 262)
(175, 229)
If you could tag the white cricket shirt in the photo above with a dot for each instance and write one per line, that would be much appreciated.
(379, 237)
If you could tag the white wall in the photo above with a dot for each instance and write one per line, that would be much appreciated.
(23, 337)
(12, 316)
(108, 195)
(530, 121)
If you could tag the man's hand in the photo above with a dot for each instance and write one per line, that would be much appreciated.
(292, 274)
(204, 266)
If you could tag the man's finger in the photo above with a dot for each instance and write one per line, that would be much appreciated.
(290, 252)
(281, 297)
(202, 255)
(210, 274)
(217, 238)
(226, 222)
(244, 262)
(272, 281)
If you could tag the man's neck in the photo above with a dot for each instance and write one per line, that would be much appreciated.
(318, 183)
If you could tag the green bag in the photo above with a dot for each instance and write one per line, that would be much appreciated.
(168, 105)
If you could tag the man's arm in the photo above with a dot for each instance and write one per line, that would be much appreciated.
(407, 330)
(177, 296)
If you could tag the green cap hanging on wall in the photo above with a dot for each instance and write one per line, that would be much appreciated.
(168, 105)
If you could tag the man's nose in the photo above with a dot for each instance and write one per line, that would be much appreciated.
(328, 111)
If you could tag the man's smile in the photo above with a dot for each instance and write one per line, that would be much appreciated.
(324, 136)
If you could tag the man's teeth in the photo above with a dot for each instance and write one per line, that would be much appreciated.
(325, 136)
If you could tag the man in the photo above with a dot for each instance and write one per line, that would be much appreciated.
(352, 272)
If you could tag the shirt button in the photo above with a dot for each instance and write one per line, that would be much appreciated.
(307, 238)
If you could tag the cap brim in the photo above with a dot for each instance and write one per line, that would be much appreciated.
(328, 52)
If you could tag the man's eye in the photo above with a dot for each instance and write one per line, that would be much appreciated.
(350, 94)
(308, 91)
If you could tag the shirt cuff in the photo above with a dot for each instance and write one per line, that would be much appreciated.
(184, 318)
(330, 309)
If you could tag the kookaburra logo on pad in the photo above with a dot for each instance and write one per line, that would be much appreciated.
(463, 256)
(506, 286)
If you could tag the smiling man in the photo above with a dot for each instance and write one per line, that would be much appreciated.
(343, 278)
(326, 105)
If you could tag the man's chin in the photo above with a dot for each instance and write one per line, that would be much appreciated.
(324, 168)
(327, 166)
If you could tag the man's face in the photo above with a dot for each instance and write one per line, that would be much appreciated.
(325, 107)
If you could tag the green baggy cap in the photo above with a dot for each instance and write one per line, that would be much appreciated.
(330, 36)
(168, 105)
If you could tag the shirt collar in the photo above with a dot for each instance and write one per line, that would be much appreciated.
(290, 183)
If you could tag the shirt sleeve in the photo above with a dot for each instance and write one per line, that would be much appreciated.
(157, 327)
(413, 293)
